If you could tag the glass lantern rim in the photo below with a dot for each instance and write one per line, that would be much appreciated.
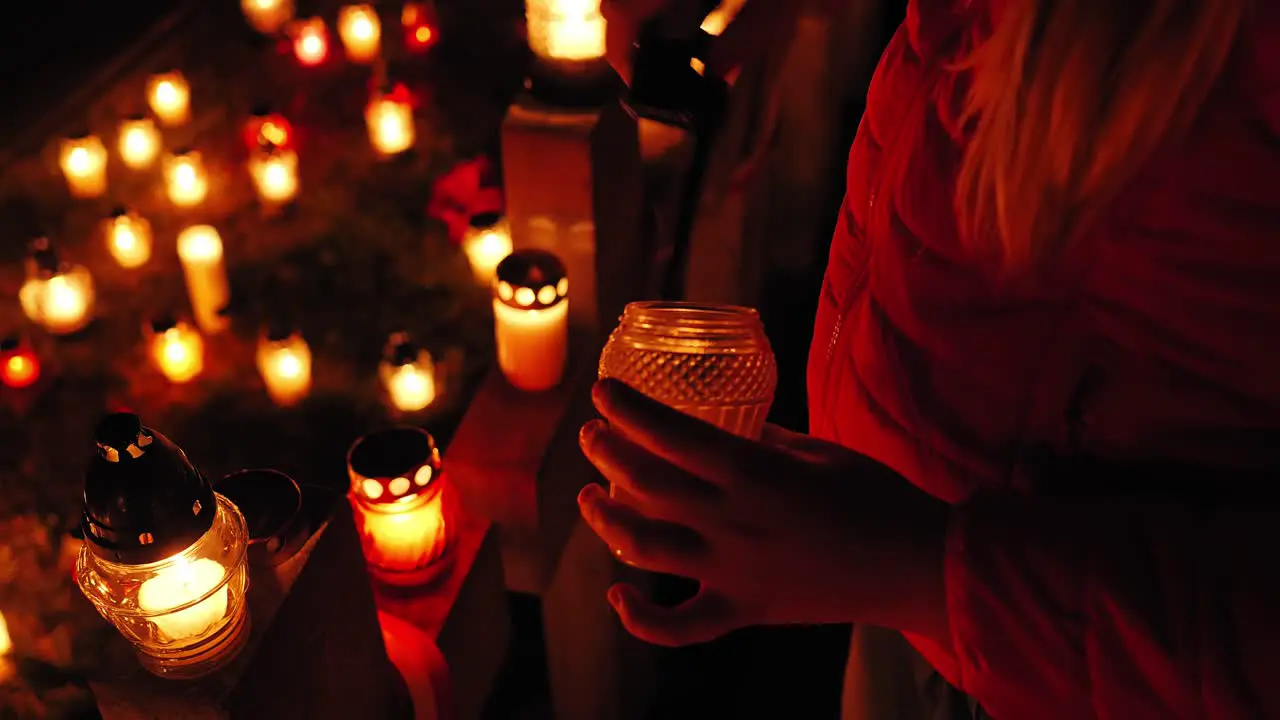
(228, 574)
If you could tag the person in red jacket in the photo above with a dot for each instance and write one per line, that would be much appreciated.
(1044, 382)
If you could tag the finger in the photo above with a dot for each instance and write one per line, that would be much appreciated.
(640, 541)
(704, 617)
(697, 447)
(660, 489)
(803, 446)
(760, 23)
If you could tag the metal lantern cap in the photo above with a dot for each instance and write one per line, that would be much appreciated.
(161, 324)
(143, 499)
(401, 350)
(485, 220)
(390, 466)
(45, 256)
(531, 280)
(118, 212)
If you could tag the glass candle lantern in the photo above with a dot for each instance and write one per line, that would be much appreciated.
(19, 366)
(165, 557)
(486, 243)
(170, 97)
(418, 21)
(713, 362)
(361, 32)
(185, 178)
(267, 131)
(310, 41)
(200, 252)
(128, 237)
(284, 362)
(398, 494)
(139, 142)
(531, 319)
(83, 161)
(267, 16)
(408, 374)
(566, 30)
(176, 349)
(56, 295)
(275, 176)
(389, 117)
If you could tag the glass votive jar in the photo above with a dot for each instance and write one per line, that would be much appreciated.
(531, 319)
(398, 495)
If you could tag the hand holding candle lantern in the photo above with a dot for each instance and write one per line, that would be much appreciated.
(128, 238)
(275, 175)
(389, 117)
(486, 243)
(177, 350)
(408, 374)
(200, 252)
(186, 179)
(531, 317)
(361, 32)
(84, 164)
(164, 558)
(19, 367)
(398, 494)
(170, 97)
(57, 296)
(310, 41)
(139, 142)
(267, 16)
(284, 361)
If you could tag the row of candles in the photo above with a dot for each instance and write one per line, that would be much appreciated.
(359, 28)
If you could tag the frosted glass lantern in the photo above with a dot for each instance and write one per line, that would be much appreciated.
(170, 97)
(275, 176)
(398, 494)
(165, 557)
(531, 319)
(361, 33)
(487, 242)
(389, 118)
(128, 237)
(713, 362)
(408, 374)
(56, 295)
(185, 178)
(138, 142)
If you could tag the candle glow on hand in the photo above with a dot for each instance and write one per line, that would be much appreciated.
(167, 598)
(275, 175)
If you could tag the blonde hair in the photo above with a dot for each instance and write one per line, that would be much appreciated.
(1068, 99)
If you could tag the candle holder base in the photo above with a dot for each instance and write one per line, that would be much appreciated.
(417, 578)
(204, 658)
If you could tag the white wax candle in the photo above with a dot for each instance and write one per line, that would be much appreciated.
(285, 367)
(533, 345)
(179, 353)
(177, 585)
(200, 252)
(411, 387)
(139, 143)
(485, 248)
(170, 97)
(186, 180)
(361, 32)
(275, 175)
(129, 240)
(403, 540)
(390, 123)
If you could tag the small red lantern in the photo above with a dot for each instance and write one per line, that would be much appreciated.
(310, 41)
(419, 21)
(267, 131)
(19, 367)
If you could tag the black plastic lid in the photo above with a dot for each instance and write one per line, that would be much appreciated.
(540, 274)
(143, 499)
(485, 220)
(45, 256)
(260, 110)
(163, 323)
(10, 343)
(401, 350)
(118, 211)
(278, 330)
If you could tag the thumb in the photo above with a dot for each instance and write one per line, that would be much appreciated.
(700, 619)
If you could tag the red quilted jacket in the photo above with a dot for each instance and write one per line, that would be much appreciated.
(1106, 435)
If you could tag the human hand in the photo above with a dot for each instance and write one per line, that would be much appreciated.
(787, 530)
(758, 27)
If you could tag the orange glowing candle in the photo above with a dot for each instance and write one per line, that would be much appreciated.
(177, 349)
(284, 361)
(170, 97)
(84, 164)
(275, 175)
(186, 179)
(19, 367)
(128, 238)
(267, 16)
(361, 32)
(310, 41)
(531, 318)
(200, 252)
(139, 142)
(389, 117)
(486, 243)
(418, 21)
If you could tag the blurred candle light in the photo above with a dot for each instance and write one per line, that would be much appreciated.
(310, 41)
(84, 164)
(139, 142)
(275, 175)
(200, 252)
(361, 32)
(7, 669)
(56, 295)
(566, 29)
(170, 97)
(19, 368)
(177, 350)
(186, 179)
(267, 130)
(486, 243)
(267, 16)
(408, 374)
(390, 120)
(418, 21)
(128, 238)
(284, 361)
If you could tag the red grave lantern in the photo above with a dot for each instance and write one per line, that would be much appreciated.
(420, 27)
(19, 367)
(267, 130)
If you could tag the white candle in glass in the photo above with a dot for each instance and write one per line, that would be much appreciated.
(390, 121)
(361, 32)
(404, 538)
(139, 142)
(178, 351)
(285, 366)
(275, 175)
(165, 594)
(487, 243)
(566, 29)
(267, 16)
(185, 178)
(170, 97)
(128, 239)
(200, 252)
(531, 319)
(84, 164)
